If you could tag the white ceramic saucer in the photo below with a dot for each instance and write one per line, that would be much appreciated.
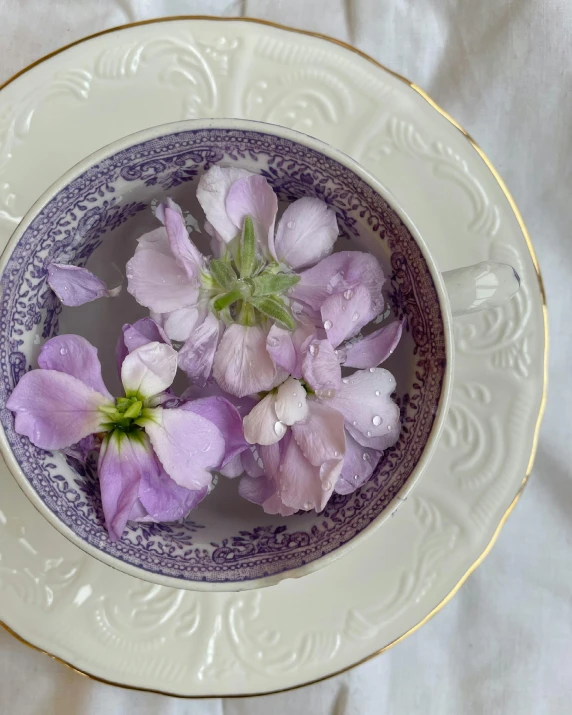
(122, 630)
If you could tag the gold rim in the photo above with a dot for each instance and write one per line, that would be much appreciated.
(527, 238)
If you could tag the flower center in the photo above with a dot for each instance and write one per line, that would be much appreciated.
(245, 288)
(124, 414)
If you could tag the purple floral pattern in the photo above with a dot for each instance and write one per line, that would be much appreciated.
(72, 225)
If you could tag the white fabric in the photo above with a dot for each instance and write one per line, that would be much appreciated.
(504, 643)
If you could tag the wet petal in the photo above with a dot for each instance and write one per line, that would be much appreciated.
(321, 368)
(75, 286)
(256, 489)
(285, 347)
(156, 240)
(271, 455)
(242, 366)
(291, 405)
(306, 233)
(345, 314)
(252, 464)
(261, 425)
(233, 468)
(321, 436)
(122, 462)
(196, 357)
(375, 348)
(338, 273)
(184, 250)
(372, 418)
(359, 464)
(303, 485)
(187, 445)
(226, 417)
(134, 336)
(157, 282)
(149, 370)
(55, 410)
(253, 196)
(75, 356)
(212, 193)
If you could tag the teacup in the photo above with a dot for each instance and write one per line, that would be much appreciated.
(94, 213)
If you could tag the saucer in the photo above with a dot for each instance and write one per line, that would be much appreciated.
(122, 630)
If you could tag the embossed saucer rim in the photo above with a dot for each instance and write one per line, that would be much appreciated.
(526, 236)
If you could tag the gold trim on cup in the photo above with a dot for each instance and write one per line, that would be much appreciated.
(527, 238)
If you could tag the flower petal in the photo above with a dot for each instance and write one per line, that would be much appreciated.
(375, 348)
(80, 450)
(372, 418)
(253, 196)
(163, 499)
(212, 192)
(321, 368)
(134, 336)
(187, 445)
(196, 357)
(233, 468)
(256, 489)
(359, 465)
(156, 281)
(261, 425)
(75, 286)
(55, 410)
(338, 273)
(184, 250)
(271, 455)
(345, 314)
(252, 464)
(122, 462)
(291, 405)
(149, 370)
(321, 436)
(306, 233)
(226, 417)
(242, 366)
(303, 485)
(75, 356)
(285, 347)
(156, 240)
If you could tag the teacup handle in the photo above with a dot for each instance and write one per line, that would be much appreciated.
(480, 287)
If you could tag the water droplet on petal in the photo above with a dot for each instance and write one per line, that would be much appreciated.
(344, 307)
(356, 477)
(328, 324)
(376, 419)
(326, 393)
(279, 428)
(314, 349)
(388, 427)
(355, 316)
(272, 341)
(369, 434)
(336, 453)
(354, 423)
(307, 505)
(345, 380)
(372, 369)
(377, 393)
(365, 456)
(327, 486)
(291, 224)
(63, 351)
(348, 294)
(299, 404)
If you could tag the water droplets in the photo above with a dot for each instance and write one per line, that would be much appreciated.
(348, 294)
(369, 433)
(299, 405)
(365, 456)
(376, 419)
(63, 351)
(345, 380)
(328, 324)
(307, 505)
(356, 477)
(272, 342)
(355, 317)
(354, 423)
(314, 349)
(372, 369)
(327, 486)
(388, 427)
(279, 428)
(342, 355)
(336, 453)
(377, 393)
(326, 393)
(291, 225)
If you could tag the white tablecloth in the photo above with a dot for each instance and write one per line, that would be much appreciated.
(502, 68)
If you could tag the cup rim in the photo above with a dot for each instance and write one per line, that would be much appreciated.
(326, 149)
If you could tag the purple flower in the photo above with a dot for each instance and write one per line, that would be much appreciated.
(223, 308)
(155, 463)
